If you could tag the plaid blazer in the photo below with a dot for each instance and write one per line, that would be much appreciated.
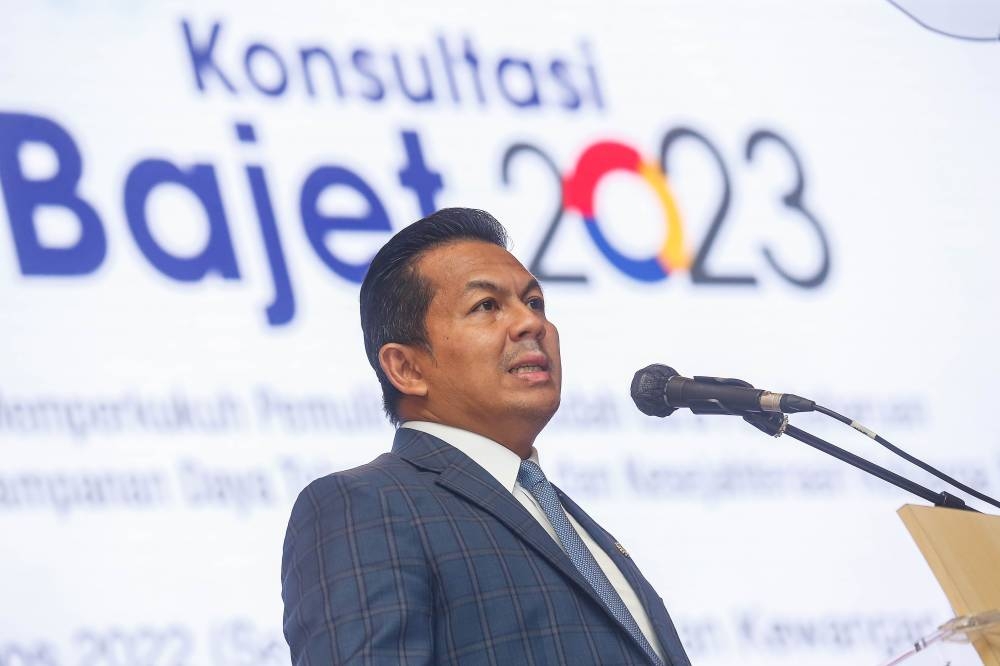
(421, 557)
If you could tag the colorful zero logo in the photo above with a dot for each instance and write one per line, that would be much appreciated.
(599, 160)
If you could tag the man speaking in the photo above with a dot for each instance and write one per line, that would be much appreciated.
(454, 548)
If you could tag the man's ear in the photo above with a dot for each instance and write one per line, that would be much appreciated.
(401, 364)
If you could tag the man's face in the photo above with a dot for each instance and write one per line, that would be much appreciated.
(494, 365)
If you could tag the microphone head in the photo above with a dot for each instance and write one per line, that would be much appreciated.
(649, 387)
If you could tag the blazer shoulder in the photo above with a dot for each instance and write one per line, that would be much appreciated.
(339, 502)
(358, 484)
(380, 470)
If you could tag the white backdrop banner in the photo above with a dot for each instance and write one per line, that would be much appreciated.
(802, 196)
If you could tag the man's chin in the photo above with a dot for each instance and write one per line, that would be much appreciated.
(539, 409)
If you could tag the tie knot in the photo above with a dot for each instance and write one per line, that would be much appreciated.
(530, 475)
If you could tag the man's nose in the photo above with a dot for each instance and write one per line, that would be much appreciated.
(529, 323)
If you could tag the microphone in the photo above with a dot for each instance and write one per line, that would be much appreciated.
(658, 390)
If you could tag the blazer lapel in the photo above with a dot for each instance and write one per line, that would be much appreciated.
(651, 602)
(467, 480)
(464, 477)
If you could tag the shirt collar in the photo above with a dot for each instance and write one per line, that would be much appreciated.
(501, 463)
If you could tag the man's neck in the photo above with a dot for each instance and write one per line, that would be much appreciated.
(518, 438)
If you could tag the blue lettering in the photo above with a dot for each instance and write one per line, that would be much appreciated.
(200, 180)
(201, 57)
(560, 73)
(362, 59)
(24, 196)
(450, 61)
(282, 308)
(515, 64)
(473, 61)
(427, 94)
(449, 69)
(592, 75)
(415, 175)
(251, 56)
(318, 226)
(307, 55)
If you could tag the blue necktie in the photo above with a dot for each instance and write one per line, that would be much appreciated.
(531, 477)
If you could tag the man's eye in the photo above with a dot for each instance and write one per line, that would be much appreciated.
(537, 303)
(486, 306)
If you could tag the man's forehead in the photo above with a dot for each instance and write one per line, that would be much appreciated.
(462, 264)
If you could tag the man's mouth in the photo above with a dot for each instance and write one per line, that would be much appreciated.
(527, 368)
(530, 363)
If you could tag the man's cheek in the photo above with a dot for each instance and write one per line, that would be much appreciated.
(554, 340)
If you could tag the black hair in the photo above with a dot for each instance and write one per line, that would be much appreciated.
(394, 296)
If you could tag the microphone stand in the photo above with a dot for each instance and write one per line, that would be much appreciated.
(777, 425)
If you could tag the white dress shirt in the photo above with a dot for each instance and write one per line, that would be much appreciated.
(503, 465)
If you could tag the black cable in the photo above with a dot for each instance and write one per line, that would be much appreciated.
(777, 425)
(906, 456)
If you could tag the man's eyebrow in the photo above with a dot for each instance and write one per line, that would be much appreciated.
(531, 286)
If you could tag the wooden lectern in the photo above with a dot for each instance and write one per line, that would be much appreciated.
(963, 550)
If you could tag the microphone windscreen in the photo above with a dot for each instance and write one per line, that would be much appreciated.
(649, 386)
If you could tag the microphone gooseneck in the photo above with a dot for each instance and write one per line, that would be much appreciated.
(658, 390)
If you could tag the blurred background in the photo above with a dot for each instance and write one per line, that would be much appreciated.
(801, 195)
